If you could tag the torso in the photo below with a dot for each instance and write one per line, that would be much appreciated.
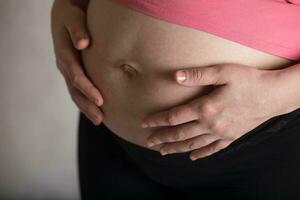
(132, 59)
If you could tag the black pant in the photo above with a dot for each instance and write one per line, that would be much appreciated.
(262, 164)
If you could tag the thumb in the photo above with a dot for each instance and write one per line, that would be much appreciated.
(76, 26)
(212, 75)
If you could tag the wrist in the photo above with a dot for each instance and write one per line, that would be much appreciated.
(285, 88)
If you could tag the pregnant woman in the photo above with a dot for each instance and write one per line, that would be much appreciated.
(229, 127)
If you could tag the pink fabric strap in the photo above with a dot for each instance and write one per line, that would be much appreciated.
(272, 26)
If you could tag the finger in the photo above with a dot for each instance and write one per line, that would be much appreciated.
(212, 75)
(172, 117)
(76, 26)
(177, 133)
(82, 83)
(87, 107)
(92, 112)
(188, 145)
(68, 58)
(210, 149)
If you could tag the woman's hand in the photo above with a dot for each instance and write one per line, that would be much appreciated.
(243, 98)
(68, 23)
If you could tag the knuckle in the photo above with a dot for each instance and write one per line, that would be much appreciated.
(218, 127)
(179, 135)
(172, 118)
(76, 80)
(196, 75)
(208, 109)
(191, 144)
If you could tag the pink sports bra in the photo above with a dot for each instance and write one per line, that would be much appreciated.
(272, 26)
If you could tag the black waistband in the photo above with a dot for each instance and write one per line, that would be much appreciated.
(270, 126)
(252, 153)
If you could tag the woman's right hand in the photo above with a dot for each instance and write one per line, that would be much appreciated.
(70, 35)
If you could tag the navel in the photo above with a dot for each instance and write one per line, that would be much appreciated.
(129, 70)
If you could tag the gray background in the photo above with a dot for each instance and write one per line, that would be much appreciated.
(38, 120)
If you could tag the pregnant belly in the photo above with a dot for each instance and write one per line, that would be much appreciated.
(132, 59)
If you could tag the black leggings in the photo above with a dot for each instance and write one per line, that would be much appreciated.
(262, 164)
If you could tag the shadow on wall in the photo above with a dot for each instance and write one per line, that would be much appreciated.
(38, 119)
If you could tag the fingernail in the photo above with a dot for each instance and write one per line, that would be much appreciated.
(97, 102)
(193, 158)
(163, 152)
(82, 43)
(181, 76)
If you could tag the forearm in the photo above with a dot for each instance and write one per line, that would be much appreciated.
(287, 83)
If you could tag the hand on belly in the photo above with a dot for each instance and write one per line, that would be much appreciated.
(130, 94)
(244, 98)
(133, 57)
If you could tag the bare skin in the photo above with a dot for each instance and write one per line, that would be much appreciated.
(275, 92)
(132, 58)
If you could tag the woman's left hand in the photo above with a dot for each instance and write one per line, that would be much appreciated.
(243, 98)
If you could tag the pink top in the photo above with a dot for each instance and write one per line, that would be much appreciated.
(272, 26)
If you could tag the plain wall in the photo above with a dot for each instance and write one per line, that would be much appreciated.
(38, 121)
